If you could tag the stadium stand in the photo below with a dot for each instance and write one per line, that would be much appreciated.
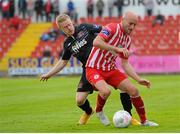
(158, 40)
(148, 40)
(8, 34)
(54, 46)
(25, 43)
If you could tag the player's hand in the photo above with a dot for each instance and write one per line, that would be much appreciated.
(44, 77)
(124, 51)
(145, 83)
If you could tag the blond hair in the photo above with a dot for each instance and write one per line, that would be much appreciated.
(61, 18)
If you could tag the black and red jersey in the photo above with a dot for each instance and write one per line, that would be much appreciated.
(80, 43)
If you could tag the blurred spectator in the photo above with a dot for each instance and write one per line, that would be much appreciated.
(119, 4)
(75, 17)
(45, 37)
(38, 7)
(100, 7)
(48, 10)
(51, 35)
(159, 19)
(30, 8)
(56, 8)
(149, 6)
(47, 51)
(5, 7)
(22, 7)
(70, 9)
(90, 8)
(110, 7)
(14, 22)
(12, 8)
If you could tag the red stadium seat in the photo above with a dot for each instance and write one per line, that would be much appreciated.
(90, 20)
(82, 20)
(170, 18)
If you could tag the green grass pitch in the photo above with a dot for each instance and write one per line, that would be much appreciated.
(28, 105)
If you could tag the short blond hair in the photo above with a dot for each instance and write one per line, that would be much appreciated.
(61, 18)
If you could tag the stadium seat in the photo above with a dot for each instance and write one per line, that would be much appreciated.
(170, 18)
(82, 20)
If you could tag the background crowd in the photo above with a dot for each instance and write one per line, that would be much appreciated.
(47, 10)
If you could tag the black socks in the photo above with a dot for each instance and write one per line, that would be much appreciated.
(86, 107)
(126, 102)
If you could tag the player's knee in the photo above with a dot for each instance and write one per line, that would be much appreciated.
(105, 94)
(134, 92)
(79, 101)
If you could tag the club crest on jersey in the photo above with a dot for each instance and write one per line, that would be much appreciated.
(105, 32)
(120, 46)
(96, 76)
(80, 34)
(123, 45)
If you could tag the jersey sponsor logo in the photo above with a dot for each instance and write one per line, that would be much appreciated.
(96, 76)
(78, 45)
(105, 32)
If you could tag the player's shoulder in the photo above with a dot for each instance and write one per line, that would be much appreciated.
(112, 25)
(89, 25)
(67, 40)
(82, 25)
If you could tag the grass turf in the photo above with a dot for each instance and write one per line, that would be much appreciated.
(28, 105)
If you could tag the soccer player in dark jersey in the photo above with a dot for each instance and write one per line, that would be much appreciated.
(79, 44)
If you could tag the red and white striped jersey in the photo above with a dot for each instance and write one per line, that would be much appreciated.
(105, 60)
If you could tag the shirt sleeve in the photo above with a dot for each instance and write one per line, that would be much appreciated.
(108, 31)
(93, 28)
(66, 55)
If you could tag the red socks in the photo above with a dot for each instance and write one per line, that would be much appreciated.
(100, 103)
(137, 102)
(139, 105)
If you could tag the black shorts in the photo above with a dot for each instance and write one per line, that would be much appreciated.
(84, 85)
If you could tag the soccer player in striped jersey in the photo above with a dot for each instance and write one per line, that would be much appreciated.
(114, 40)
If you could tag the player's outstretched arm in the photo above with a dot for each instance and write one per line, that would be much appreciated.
(130, 72)
(58, 67)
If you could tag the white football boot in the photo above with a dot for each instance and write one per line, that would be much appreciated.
(103, 118)
(149, 123)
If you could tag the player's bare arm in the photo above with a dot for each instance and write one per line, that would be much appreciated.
(130, 71)
(102, 44)
(58, 67)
